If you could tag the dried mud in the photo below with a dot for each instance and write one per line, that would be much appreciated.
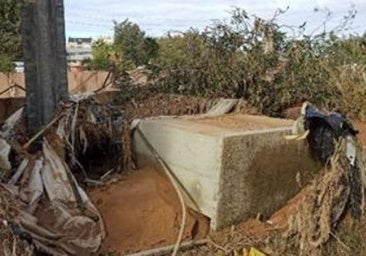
(141, 211)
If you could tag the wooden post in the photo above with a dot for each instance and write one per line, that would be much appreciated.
(45, 60)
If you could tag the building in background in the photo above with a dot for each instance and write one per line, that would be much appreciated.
(19, 66)
(78, 49)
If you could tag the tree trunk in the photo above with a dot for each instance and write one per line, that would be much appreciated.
(45, 60)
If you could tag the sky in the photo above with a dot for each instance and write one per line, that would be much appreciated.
(85, 18)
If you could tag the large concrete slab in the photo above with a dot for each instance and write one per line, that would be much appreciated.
(229, 167)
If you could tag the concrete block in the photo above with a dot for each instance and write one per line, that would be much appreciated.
(230, 167)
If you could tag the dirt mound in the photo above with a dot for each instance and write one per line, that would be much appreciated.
(148, 104)
(166, 104)
(361, 127)
(244, 122)
(141, 211)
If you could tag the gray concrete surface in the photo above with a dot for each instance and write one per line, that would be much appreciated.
(231, 167)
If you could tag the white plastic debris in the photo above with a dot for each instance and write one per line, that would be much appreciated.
(9, 124)
(56, 212)
(81, 96)
(4, 155)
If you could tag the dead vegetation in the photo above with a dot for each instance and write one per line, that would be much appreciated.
(324, 207)
(10, 244)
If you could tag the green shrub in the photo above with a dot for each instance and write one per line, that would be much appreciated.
(133, 45)
(254, 59)
(6, 65)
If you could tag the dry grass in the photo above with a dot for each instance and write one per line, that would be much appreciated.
(350, 81)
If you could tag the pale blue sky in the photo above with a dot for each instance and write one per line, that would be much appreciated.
(157, 17)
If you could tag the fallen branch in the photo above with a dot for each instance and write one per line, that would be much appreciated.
(217, 246)
(340, 242)
(11, 87)
(165, 250)
(35, 137)
(105, 83)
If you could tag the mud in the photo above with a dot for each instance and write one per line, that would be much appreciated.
(245, 122)
(361, 127)
(166, 105)
(147, 104)
(141, 211)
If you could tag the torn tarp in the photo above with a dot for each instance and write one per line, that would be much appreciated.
(56, 214)
(7, 128)
(4, 155)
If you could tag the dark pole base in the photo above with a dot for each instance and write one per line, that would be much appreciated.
(45, 60)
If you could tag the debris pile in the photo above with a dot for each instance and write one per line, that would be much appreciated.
(324, 206)
(90, 134)
(159, 104)
(53, 213)
(10, 244)
(339, 191)
(43, 204)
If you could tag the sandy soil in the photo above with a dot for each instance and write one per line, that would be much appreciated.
(141, 211)
(244, 122)
(361, 127)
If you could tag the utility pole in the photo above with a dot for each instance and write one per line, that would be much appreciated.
(45, 60)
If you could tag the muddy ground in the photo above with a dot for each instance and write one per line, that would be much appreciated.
(141, 211)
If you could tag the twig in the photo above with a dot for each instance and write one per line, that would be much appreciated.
(134, 104)
(103, 178)
(217, 246)
(165, 250)
(340, 242)
(105, 84)
(11, 87)
(74, 159)
(94, 182)
(35, 137)
(73, 125)
(175, 185)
